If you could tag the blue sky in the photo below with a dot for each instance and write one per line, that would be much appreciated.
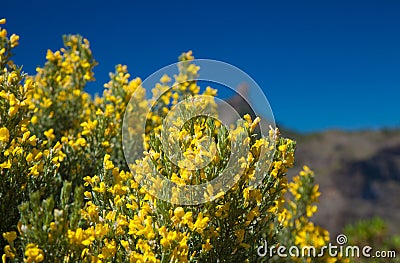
(322, 64)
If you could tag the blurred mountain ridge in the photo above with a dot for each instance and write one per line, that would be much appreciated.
(358, 173)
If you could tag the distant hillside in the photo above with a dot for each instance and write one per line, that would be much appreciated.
(358, 173)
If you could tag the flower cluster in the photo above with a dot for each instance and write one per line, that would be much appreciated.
(68, 194)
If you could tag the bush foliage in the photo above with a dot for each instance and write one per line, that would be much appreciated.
(68, 195)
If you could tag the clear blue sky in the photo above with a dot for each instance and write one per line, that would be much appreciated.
(322, 64)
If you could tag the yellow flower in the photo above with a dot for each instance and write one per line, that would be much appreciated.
(207, 246)
(87, 194)
(6, 164)
(4, 134)
(306, 170)
(179, 212)
(10, 236)
(108, 250)
(8, 252)
(101, 189)
(253, 214)
(3, 33)
(125, 244)
(188, 219)
(164, 242)
(49, 55)
(201, 223)
(33, 253)
(14, 40)
(282, 148)
(13, 110)
(311, 209)
(108, 164)
(2, 21)
(29, 157)
(91, 180)
(81, 142)
(88, 126)
(147, 231)
(165, 79)
(46, 103)
(49, 134)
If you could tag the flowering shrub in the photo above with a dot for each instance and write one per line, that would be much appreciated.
(68, 195)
